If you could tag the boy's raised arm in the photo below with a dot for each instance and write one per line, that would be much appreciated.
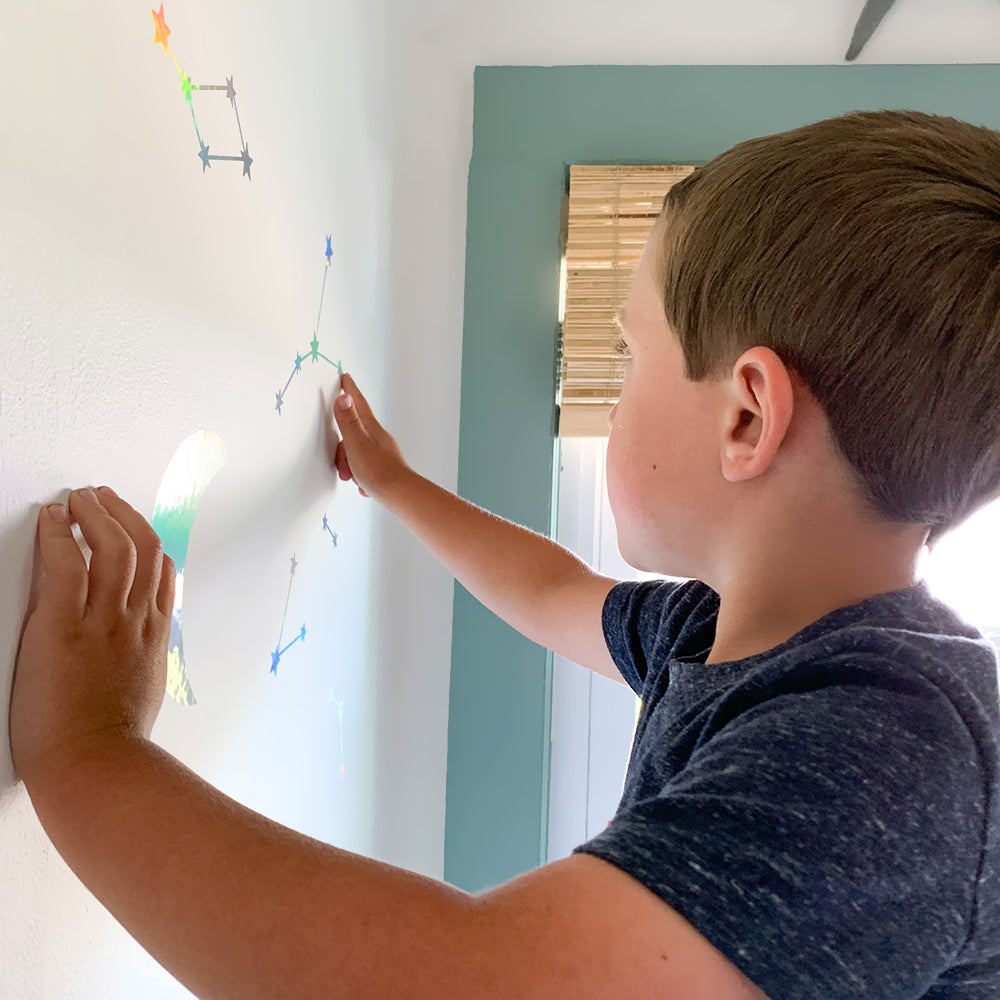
(538, 587)
(236, 905)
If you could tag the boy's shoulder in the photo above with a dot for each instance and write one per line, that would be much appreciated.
(669, 626)
(872, 732)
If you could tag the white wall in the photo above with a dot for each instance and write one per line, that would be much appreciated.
(141, 300)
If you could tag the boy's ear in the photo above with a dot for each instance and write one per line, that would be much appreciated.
(758, 410)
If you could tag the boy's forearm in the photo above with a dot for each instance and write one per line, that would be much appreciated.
(508, 568)
(229, 902)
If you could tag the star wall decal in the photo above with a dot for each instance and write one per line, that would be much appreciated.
(162, 31)
(871, 17)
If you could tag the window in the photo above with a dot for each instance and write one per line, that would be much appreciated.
(611, 212)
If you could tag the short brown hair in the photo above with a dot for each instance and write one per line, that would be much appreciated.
(864, 251)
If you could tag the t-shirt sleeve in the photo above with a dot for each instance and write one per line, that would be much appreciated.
(826, 840)
(639, 626)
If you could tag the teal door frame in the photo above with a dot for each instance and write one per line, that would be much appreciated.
(529, 124)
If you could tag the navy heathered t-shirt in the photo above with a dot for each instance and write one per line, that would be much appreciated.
(826, 813)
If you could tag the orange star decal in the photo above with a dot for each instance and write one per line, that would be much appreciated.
(162, 31)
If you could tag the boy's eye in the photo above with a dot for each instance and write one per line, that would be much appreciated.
(621, 349)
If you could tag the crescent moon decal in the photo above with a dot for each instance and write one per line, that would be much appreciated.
(195, 462)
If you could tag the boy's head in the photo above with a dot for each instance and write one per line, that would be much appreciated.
(822, 305)
(865, 252)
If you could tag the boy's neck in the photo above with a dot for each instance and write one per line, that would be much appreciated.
(756, 614)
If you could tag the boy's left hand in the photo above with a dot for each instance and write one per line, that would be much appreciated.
(93, 656)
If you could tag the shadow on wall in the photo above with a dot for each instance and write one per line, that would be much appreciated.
(307, 477)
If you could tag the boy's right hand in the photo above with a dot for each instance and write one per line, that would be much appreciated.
(366, 452)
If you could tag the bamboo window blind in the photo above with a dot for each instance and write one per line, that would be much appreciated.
(612, 210)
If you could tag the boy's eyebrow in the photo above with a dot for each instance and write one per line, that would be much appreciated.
(619, 319)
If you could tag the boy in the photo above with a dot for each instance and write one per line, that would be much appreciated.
(811, 807)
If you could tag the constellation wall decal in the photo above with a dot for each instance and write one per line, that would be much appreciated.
(315, 355)
(329, 530)
(160, 36)
(314, 352)
(301, 637)
(279, 650)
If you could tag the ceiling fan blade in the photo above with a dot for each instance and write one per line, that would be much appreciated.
(871, 18)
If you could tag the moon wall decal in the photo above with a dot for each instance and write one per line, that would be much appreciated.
(197, 459)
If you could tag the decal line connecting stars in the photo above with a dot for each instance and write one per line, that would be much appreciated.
(314, 352)
(160, 38)
(279, 650)
(301, 637)
(329, 530)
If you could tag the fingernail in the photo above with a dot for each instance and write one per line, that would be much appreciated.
(89, 494)
(56, 511)
(348, 402)
(108, 491)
